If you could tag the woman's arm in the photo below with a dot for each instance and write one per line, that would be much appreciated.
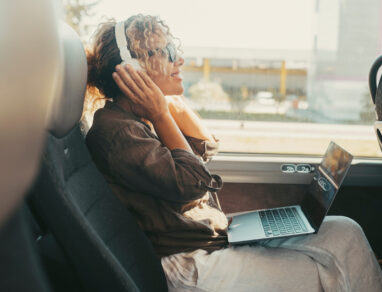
(140, 161)
(169, 133)
(187, 120)
(198, 137)
(164, 167)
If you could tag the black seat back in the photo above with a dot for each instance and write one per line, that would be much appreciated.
(100, 236)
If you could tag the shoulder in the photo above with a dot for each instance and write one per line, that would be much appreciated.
(132, 130)
(109, 129)
(109, 123)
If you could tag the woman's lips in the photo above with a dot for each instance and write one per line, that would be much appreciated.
(177, 75)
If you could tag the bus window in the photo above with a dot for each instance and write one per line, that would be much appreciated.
(273, 81)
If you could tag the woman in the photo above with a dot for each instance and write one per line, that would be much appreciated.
(151, 152)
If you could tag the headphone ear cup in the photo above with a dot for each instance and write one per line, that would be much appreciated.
(133, 63)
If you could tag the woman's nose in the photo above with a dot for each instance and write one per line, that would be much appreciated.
(179, 61)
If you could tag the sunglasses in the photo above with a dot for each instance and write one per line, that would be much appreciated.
(169, 50)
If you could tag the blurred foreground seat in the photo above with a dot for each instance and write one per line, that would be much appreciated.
(30, 75)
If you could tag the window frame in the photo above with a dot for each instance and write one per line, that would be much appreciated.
(265, 168)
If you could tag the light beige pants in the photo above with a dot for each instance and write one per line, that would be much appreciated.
(338, 258)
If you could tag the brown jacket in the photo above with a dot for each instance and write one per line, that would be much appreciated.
(171, 193)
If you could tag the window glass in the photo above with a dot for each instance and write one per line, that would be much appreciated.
(272, 76)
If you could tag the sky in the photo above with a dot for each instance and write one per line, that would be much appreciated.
(258, 24)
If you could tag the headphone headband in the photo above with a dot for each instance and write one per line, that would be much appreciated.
(122, 41)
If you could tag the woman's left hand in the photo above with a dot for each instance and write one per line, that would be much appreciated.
(176, 104)
(188, 122)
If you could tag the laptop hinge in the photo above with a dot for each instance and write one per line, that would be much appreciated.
(312, 224)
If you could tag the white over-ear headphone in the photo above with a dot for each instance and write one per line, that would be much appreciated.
(120, 37)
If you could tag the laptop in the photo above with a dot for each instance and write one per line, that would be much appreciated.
(305, 218)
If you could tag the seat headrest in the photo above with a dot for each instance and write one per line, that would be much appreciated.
(68, 104)
(375, 87)
(30, 75)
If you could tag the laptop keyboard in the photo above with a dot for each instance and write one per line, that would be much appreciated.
(282, 221)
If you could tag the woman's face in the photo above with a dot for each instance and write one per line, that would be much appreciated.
(170, 81)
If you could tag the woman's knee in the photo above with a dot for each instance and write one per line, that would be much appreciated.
(343, 224)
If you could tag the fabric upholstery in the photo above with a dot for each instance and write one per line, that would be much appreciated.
(20, 267)
(102, 239)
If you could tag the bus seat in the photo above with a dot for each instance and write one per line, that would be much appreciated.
(102, 240)
(375, 87)
(29, 78)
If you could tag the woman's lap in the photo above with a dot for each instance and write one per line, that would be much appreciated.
(250, 268)
(338, 258)
(342, 254)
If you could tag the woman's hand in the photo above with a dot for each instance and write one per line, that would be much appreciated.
(146, 100)
(145, 97)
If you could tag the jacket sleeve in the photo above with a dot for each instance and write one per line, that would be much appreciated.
(204, 148)
(139, 161)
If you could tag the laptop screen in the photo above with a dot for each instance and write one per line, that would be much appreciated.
(335, 163)
(326, 181)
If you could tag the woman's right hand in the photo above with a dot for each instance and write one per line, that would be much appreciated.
(147, 101)
(145, 97)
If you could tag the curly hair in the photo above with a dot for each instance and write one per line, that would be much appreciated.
(104, 55)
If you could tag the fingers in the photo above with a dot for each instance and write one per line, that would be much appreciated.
(125, 90)
(129, 82)
(147, 79)
(137, 78)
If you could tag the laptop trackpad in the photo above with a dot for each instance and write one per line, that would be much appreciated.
(245, 227)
